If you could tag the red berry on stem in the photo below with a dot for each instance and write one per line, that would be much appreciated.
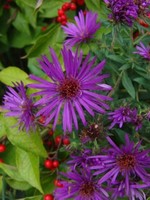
(60, 12)
(64, 18)
(2, 148)
(67, 5)
(64, 23)
(51, 132)
(6, 6)
(57, 140)
(66, 141)
(48, 197)
(74, 1)
(41, 119)
(1, 160)
(59, 19)
(73, 6)
(55, 163)
(80, 2)
(48, 164)
(64, 7)
(57, 183)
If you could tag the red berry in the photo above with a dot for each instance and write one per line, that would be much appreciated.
(2, 148)
(67, 5)
(73, 6)
(64, 23)
(41, 120)
(66, 141)
(6, 6)
(57, 140)
(80, 2)
(74, 1)
(49, 143)
(57, 183)
(64, 17)
(55, 163)
(48, 164)
(143, 23)
(64, 8)
(48, 197)
(51, 132)
(1, 160)
(59, 19)
(60, 12)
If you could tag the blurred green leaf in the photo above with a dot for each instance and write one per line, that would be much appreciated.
(28, 167)
(127, 83)
(39, 197)
(13, 74)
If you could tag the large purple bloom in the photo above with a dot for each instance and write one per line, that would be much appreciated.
(123, 11)
(72, 90)
(80, 185)
(85, 28)
(143, 51)
(19, 105)
(126, 162)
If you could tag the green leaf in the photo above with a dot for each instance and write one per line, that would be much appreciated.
(13, 74)
(28, 167)
(2, 127)
(50, 9)
(39, 197)
(30, 142)
(21, 24)
(93, 5)
(53, 37)
(18, 185)
(127, 83)
(1, 184)
(11, 171)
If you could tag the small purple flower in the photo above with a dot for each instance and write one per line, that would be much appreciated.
(85, 28)
(143, 6)
(123, 11)
(134, 191)
(137, 122)
(80, 185)
(125, 162)
(143, 51)
(19, 105)
(74, 90)
(120, 116)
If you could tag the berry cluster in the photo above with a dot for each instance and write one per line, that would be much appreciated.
(62, 17)
(2, 149)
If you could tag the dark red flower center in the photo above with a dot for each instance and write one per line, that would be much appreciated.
(126, 161)
(69, 88)
(87, 189)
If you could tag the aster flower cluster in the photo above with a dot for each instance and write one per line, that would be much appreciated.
(125, 115)
(123, 11)
(124, 168)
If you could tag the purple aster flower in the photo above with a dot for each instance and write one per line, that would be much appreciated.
(135, 191)
(143, 6)
(81, 185)
(120, 116)
(72, 90)
(123, 11)
(125, 162)
(19, 105)
(85, 28)
(137, 122)
(143, 51)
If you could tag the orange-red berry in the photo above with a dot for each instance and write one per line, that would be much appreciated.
(48, 164)
(55, 163)
(2, 148)
(48, 197)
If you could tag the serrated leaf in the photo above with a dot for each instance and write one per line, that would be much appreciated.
(28, 166)
(30, 142)
(13, 74)
(127, 83)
